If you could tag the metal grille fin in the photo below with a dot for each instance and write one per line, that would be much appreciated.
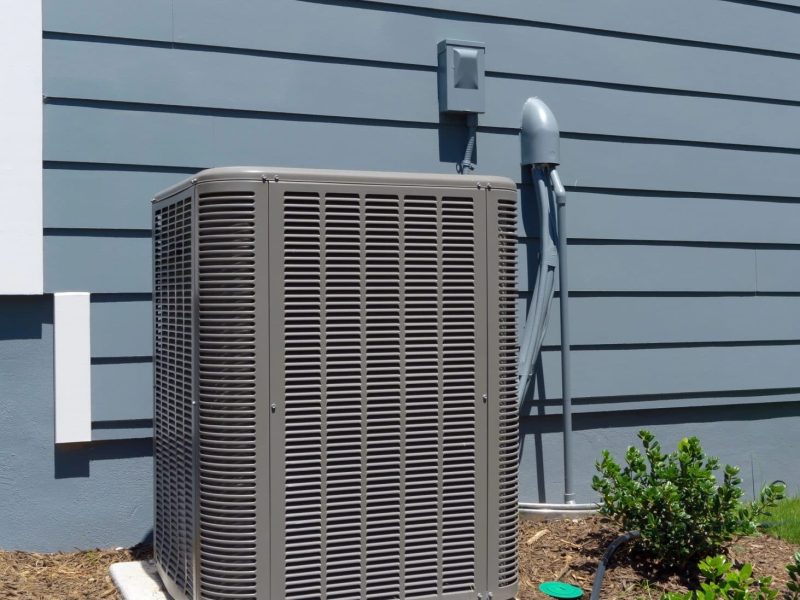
(380, 361)
(226, 332)
(173, 391)
(508, 435)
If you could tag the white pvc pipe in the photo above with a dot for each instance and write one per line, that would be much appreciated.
(535, 512)
(555, 506)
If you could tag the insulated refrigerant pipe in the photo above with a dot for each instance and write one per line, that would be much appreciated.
(540, 150)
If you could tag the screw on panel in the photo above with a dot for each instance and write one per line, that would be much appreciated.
(485, 397)
(489, 186)
(273, 407)
(194, 180)
(479, 186)
(263, 179)
(277, 178)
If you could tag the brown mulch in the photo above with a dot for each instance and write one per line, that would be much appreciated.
(570, 550)
(567, 550)
(62, 576)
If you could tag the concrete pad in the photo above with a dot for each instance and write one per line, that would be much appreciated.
(138, 580)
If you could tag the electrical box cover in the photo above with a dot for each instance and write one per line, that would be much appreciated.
(461, 76)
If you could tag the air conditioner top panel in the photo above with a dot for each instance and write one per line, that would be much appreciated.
(333, 176)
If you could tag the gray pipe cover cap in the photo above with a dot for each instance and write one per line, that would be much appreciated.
(539, 134)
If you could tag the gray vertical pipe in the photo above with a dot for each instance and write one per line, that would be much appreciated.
(566, 366)
(540, 147)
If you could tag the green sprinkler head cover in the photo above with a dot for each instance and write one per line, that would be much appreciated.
(557, 589)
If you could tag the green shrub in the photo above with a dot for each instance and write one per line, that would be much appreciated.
(675, 500)
(723, 582)
(793, 585)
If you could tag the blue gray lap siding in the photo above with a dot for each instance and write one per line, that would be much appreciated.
(681, 150)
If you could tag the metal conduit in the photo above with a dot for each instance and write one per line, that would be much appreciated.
(539, 137)
(544, 288)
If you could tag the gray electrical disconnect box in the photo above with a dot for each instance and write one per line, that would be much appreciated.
(461, 76)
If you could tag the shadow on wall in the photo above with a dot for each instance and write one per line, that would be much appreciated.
(74, 460)
(531, 408)
(453, 137)
(28, 321)
(536, 426)
(147, 540)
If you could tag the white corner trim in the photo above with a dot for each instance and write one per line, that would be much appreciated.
(73, 378)
(21, 239)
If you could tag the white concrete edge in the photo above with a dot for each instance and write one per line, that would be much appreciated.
(21, 237)
(527, 514)
(137, 580)
(72, 363)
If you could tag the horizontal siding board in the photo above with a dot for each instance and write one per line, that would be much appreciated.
(101, 199)
(654, 166)
(778, 270)
(688, 370)
(627, 268)
(407, 38)
(122, 328)
(631, 216)
(122, 391)
(711, 21)
(673, 319)
(105, 264)
(603, 405)
(143, 19)
(594, 109)
(136, 137)
(237, 81)
(149, 137)
(118, 72)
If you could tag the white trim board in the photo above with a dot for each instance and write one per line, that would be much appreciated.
(72, 361)
(21, 254)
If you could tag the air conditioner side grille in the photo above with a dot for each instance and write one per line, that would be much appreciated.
(380, 361)
(508, 435)
(173, 391)
(226, 333)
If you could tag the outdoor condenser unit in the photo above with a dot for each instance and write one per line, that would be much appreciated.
(335, 386)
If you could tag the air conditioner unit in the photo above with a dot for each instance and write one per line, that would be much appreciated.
(335, 386)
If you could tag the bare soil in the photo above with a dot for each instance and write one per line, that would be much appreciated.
(567, 550)
(570, 550)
